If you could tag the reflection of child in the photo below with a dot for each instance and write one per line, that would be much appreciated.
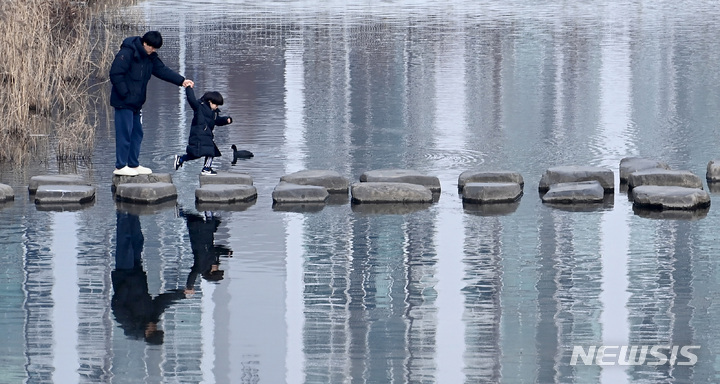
(201, 141)
(206, 253)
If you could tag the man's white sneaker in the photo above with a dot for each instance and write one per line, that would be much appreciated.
(142, 170)
(125, 171)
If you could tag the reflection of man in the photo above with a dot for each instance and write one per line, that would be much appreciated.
(134, 308)
(206, 254)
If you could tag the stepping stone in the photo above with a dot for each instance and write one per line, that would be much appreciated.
(296, 193)
(574, 174)
(331, 180)
(629, 165)
(141, 179)
(713, 171)
(147, 193)
(390, 192)
(664, 177)
(6, 193)
(489, 177)
(225, 193)
(491, 192)
(407, 176)
(389, 208)
(39, 180)
(59, 194)
(670, 197)
(581, 192)
(226, 178)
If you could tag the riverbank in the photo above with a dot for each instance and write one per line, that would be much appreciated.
(56, 56)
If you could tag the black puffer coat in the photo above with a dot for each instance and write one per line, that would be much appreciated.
(201, 141)
(131, 71)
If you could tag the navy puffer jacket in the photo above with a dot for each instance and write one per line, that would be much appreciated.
(201, 141)
(131, 71)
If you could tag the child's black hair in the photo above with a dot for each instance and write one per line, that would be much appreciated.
(153, 39)
(213, 97)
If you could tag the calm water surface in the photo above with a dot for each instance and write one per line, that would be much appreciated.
(355, 294)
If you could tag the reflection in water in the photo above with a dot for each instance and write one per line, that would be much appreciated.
(449, 292)
(206, 254)
(134, 308)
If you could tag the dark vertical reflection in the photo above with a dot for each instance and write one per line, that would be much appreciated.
(661, 309)
(552, 276)
(420, 296)
(483, 275)
(376, 97)
(38, 303)
(95, 327)
(484, 65)
(13, 314)
(369, 313)
(569, 286)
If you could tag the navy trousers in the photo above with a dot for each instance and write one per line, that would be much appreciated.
(128, 137)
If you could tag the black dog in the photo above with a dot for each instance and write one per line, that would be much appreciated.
(240, 154)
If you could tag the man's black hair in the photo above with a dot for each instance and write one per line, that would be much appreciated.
(153, 39)
(213, 97)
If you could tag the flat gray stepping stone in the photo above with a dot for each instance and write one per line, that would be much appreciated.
(713, 171)
(6, 193)
(577, 173)
(629, 165)
(331, 180)
(225, 193)
(226, 178)
(39, 180)
(491, 192)
(296, 193)
(390, 192)
(58, 194)
(142, 179)
(664, 177)
(408, 176)
(581, 192)
(489, 177)
(670, 197)
(146, 193)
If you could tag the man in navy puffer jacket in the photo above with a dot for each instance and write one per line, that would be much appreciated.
(130, 72)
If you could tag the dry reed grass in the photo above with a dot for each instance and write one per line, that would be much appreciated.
(55, 54)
